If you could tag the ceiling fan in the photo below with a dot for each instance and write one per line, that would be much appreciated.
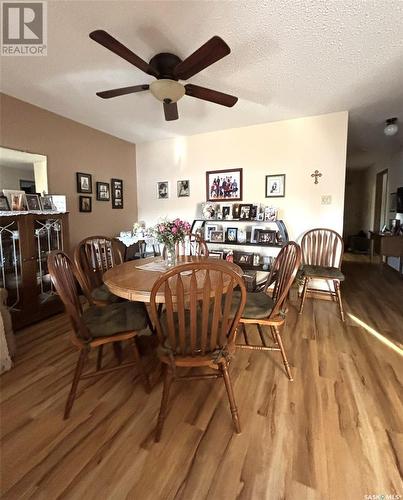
(168, 69)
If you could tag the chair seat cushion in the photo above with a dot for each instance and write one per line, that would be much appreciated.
(258, 305)
(103, 294)
(331, 273)
(115, 318)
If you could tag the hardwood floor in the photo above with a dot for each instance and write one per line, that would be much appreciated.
(336, 432)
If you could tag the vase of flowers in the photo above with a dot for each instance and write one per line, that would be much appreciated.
(170, 233)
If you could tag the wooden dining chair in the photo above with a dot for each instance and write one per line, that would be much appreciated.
(322, 252)
(196, 328)
(262, 309)
(96, 326)
(93, 256)
(192, 245)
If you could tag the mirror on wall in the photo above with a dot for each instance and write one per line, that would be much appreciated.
(23, 171)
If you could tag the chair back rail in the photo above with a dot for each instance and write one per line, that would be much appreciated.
(198, 301)
(322, 247)
(193, 245)
(65, 278)
(283, 273)
(94, 256)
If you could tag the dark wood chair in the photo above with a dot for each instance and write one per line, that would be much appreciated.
(193, 245)
(322, 252)
(96, 326)
(262, 309)
(197, 328)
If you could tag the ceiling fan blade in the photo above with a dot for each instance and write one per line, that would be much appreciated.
(209, 53)
(107, 94)
(171, 111)
(118, 48)
(210, 95)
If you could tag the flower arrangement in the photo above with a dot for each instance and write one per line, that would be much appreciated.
(170, 232)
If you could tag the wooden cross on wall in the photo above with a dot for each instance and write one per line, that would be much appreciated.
(316, 174)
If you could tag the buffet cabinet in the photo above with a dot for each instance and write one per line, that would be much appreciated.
(25, 243)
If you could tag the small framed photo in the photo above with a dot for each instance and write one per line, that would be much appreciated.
(266, 236)
(245, 211)
(33, 202)
(226, 212)
(260, 216)
(217, 236)
(59, 203)
(183, 188)
(103, 191)
(209, 228)
(270, 214)
(216, 255)
(275, 186)
(243, 258)
(4, 206)
(163, 190)
(231, 235)
(254, 232)
(16, 199)
(47, 202)
(224, 185)
(117, 193)
(84, 183)
(85, 204)
(18, 202)
(235, 210)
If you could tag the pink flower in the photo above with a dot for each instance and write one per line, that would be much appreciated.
(174, 230)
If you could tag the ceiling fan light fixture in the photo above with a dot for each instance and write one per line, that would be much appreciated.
(391, 127)
(166, 90)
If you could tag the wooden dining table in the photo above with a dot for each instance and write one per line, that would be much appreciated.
(130, 282)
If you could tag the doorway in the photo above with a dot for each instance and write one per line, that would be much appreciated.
(381, 190)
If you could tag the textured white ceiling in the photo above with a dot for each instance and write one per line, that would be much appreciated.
(289, 59)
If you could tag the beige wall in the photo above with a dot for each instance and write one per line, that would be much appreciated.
(293, 147)
(71, 147)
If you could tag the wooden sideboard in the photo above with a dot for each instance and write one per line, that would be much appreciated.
(25, 242)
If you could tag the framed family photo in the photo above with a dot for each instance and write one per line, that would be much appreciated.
(163, 190)
(183, 189)
(275, 186)
(117, 193)
(103, 192)
(85, 204)
(4, 206)
(224, 185)
(84, 183)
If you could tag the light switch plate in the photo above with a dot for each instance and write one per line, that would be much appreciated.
(326, 199)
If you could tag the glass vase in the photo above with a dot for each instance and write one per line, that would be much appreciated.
(170, 256)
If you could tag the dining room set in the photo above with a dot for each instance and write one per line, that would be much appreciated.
(194, 310)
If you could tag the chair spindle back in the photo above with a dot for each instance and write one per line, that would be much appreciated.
(65, 279)
(283, 273)
(94, 256)
(198, 299)
(322, 247)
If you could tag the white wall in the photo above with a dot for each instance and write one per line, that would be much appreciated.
(293, 147)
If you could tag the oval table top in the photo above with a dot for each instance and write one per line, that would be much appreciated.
(129, 282)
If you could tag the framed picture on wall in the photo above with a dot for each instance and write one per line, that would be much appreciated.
(163, 190)
(103, 192)
(275, 186)
(117, 193)
(224, 185)
(84, 183)
(183, 189)
(85, 204)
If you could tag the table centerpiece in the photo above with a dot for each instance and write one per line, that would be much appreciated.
(170, 233)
